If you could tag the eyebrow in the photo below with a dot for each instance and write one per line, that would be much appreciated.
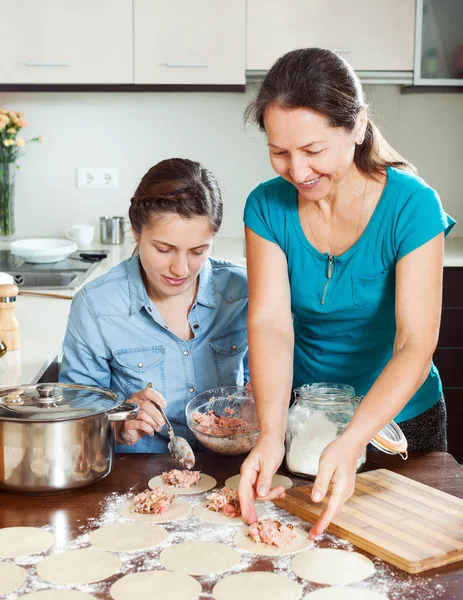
(171, 246)
(302, 147)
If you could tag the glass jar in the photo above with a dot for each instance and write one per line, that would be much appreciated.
(320, 413)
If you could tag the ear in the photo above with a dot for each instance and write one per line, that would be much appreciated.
(360, 126)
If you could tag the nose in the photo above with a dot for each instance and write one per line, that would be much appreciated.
(179, 265)
(300, 169)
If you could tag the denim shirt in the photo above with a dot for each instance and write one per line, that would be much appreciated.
(117, 339)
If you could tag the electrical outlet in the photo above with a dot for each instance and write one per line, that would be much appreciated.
(89, 178)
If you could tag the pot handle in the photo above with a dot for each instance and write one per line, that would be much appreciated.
(124, 412)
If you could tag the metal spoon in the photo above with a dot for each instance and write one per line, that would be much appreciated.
(179, 448)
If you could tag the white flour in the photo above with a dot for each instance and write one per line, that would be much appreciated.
(385, 580)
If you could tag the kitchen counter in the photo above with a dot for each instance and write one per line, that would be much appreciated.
(43, 320)
(72, 515)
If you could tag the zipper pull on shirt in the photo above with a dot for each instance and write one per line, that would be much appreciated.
(328, 276)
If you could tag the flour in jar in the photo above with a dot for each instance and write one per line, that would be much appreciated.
(309, 438)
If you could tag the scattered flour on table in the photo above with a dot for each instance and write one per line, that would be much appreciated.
(385, 580)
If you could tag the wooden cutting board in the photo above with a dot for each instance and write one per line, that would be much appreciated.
(408, 524)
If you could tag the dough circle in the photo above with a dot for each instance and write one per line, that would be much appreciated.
(199, 557)
(211, 516)
(177, 510)
(59, 595)
(79, 566)
(249, 586)
(24, 541)
(345, 593)
(233, 482)
(332, 566)
(205, 484)
(164, 584)
(128, 537)
(11, 577)
(301, 542)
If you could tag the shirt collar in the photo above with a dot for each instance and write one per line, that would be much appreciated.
(139, 297)
(137, 290)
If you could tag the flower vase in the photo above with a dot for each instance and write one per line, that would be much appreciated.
(7, 181)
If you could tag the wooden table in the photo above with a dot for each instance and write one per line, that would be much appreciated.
(72, 513)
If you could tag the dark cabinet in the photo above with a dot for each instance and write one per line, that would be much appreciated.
(448, 357)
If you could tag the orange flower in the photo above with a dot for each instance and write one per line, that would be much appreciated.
(21, 123)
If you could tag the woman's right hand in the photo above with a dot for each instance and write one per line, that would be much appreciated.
(148, 420)
(256, 475)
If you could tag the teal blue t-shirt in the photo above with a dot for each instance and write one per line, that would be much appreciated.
(345, 326)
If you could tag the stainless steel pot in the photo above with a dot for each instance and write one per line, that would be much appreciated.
(57, 437)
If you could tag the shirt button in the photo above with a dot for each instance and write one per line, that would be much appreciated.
(140, 364)
(186, 353)
(192, 389)
(195, 326)
(150, 309)
(233, 347)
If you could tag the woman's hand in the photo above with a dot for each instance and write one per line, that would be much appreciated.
(338, 466)
(256, 475)
(148, 421)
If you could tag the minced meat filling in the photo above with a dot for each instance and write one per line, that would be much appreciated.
(272, 533)
(152, 502)
(181, 479)
(211, 420)
(225, 501)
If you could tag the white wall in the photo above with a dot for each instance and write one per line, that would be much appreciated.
(133, 131)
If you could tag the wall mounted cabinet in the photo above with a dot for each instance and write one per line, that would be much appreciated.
(56, 42)
(372, 36)
(439, 43)
(184, 42)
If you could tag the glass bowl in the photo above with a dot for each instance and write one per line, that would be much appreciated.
(224, 420)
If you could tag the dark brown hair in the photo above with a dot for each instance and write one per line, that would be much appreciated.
(180, 186)
(322, 81)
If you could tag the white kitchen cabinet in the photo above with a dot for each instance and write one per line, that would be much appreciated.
(190, 42)
(372, 35)
(66, 42)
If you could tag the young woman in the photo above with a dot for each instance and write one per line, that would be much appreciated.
(345, 257)
(170, 315)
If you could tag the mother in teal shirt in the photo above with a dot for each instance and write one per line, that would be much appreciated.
(345, 259)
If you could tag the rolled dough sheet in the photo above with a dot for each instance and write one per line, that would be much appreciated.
(233, 482)
(79, 566)
(301, 542)
(211, 516)
(128, 537)
(345, 593)
(24, 541)
(250, 586)
(156, 584)
(59, 595)
(11, 577)
(199, 557)
(177, 510)
(332, 566)
(205, 484)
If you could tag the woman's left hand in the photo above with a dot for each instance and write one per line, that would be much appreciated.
(338, 466)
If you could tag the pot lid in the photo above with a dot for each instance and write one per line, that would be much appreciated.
(55, 402)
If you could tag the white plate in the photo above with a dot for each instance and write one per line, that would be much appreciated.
(43, 250)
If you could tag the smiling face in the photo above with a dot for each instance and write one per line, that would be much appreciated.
(173, 251)
(309, 153)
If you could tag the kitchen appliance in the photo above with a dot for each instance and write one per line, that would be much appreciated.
(57, 437)
(408, 524)
(112, 230)
(65, 274)
(43, 250)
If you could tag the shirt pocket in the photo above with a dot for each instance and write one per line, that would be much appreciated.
(373, 292)
(138, 366)
(228, 353)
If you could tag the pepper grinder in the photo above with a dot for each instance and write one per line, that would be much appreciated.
(9, 326)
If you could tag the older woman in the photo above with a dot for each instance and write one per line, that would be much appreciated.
(345, 257)
(170, 315)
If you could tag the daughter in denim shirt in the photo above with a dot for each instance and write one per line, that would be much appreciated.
(170, 315)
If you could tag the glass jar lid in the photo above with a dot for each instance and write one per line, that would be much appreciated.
(391, 440)
(45, 402)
